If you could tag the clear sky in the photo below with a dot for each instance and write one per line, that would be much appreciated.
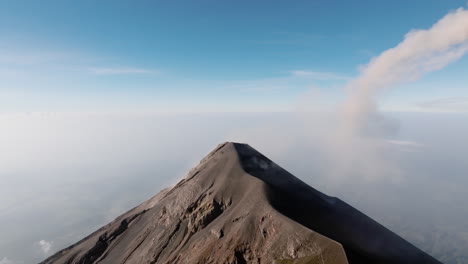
(207, 55)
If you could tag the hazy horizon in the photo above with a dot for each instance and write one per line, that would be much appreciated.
(100, 166)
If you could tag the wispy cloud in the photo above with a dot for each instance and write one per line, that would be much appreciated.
(450, 104)
(405, 146)
(290, 38)
(30, 57)
(317, 75)
(46, 246)
(5, 260)
(403, 143)
(121, 71)
(267, 86)
(297, 80)
(18, 64)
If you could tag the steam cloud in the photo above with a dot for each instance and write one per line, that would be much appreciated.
(359, 138)
(45, 246)
(421, 52)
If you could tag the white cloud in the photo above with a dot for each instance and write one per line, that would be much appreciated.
(121, 71)
(321, 76)
(46, 246)
(5, 260)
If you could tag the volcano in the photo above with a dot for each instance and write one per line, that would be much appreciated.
(237, 206)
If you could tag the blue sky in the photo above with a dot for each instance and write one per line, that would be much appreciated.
(206, 55)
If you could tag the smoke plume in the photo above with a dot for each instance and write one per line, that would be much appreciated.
(359, 141)
(421, 52)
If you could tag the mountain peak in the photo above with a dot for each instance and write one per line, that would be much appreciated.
(238, 206)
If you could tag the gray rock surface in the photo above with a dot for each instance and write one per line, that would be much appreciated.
(237, 206)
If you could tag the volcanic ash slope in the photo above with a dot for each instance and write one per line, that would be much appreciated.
(237, 206)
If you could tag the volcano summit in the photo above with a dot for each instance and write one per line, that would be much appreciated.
(237, 206)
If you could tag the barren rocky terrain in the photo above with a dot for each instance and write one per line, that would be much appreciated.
(237, 206)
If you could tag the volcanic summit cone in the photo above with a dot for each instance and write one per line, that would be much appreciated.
(237, 206)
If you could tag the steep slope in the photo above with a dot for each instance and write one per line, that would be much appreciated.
(364, 240)
(237, 206)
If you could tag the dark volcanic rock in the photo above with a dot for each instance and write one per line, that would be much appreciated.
(237, 206)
